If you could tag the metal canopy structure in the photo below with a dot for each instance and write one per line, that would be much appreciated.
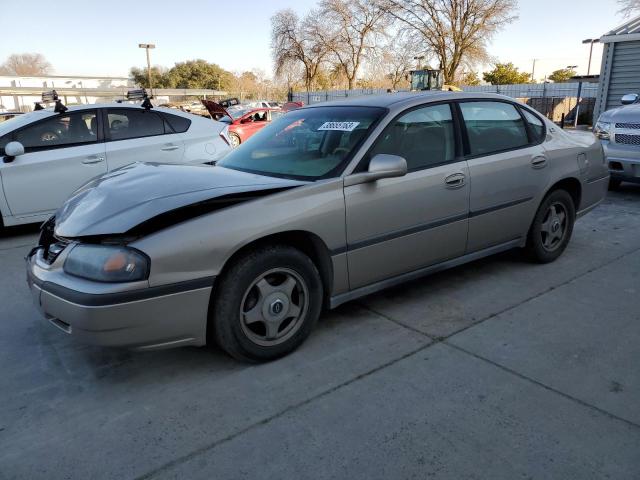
(620, 70)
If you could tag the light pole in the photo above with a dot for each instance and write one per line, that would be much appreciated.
(533, 70)
(147, 46)
(590, 41)
(419, 59)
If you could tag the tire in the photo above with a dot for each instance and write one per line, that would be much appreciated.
(552, 227)
(614, 184)
(257, 313)
(235, 139)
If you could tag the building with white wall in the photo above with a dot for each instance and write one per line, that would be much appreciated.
(13, 87)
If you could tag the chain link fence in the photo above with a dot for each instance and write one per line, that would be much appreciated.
(554, 100)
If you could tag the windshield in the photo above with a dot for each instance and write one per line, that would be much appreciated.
(306, 144)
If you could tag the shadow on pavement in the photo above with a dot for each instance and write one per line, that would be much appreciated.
(8, 232)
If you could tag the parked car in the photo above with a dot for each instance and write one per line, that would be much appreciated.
(189, 107)
(243, 121)
(292, 106)
(46, 156)
(619, 131)
(264, 104)
(332, 202)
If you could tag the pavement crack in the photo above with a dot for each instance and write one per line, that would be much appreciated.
(542, 385)
(504, 310)
(398, 322)
(281, 413)
(544, 292)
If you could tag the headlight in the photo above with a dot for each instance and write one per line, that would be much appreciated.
(602, 130)
(104, 263)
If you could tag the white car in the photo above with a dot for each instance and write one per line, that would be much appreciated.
(45, 156)
(263, 104)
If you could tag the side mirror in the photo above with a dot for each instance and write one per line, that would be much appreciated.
(629, 98)
(12, 150)
(380, 166)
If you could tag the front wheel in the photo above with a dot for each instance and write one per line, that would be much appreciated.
(235, 139)
(266, 304)
(552, 227)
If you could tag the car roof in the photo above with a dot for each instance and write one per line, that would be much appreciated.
(30, 117)
(401, 99)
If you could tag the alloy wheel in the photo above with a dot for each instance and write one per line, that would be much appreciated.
(554, 226)
(274, 306)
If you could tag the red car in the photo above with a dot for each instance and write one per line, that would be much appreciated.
(243, 122)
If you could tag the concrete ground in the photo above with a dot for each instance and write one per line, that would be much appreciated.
(497, 369)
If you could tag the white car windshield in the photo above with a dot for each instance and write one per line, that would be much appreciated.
(306, 144)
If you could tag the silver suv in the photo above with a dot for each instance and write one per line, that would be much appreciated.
(324, 205)
(619, 131)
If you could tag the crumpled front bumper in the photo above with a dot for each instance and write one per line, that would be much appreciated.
(143, 318)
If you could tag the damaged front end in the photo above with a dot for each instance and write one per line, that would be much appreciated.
(143, 198)
(131, 203)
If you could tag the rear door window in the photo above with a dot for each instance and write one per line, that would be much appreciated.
(493, 127)
(536, 127)
(123, 124)
(178, 124)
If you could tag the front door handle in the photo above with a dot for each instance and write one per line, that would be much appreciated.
(92, 160)
(455, 180)
(539, 161)
(169, 147)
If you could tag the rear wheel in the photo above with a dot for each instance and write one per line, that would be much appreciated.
(552, 227)
(266, 304)
(235, 139)
(614, 183)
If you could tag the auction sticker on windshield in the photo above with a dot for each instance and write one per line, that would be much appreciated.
(339, 126)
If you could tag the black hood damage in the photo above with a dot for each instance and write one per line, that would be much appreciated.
(198, 209)
(145, 197)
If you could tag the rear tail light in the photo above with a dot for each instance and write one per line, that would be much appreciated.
(224, 134)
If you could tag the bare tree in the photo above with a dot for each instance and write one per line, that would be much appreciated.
(348, 32)
(397, 58)
(292, 41)
(290, 74)
(25, 64)
(456, 31)
(629, 7)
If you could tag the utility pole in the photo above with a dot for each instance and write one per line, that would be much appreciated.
(590, 41)
(575, 120)
(148, 46)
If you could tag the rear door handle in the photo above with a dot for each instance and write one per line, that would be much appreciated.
(169, 147)
(92, 160)
(455, 180)
(539, 161)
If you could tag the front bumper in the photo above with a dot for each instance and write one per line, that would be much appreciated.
(623, 161)
(147, 318)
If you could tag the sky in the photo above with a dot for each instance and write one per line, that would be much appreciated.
(102, 39)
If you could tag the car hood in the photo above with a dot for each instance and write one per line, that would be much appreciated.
(157, 195)
(216, 110)
(625, 114)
